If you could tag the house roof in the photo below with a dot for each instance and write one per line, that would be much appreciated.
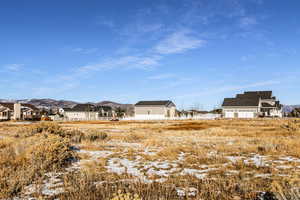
(105, 108)
(83, 107)
(11, 106)
(88, 108)
(254, 101)
(8, 105)
(250, 98)
(261, 94)
(3, 109)
(155, 103)
(29, 106)
(267, 105)
(67, 109)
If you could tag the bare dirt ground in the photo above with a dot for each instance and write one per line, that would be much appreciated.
(213, 159)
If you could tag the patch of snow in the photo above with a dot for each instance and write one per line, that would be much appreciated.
(212, 154)
(200, 174)
(290, 159)
(135, 168)
(278, 161)
(257, 160)
(120, 166)
(284, 167)
(234, 159)
(230, 172)
(189, 192)
(262, 175)
(51, 186)
(96, 154)
(149, 152)
(115, 130)
(181, 156)
(124, 144)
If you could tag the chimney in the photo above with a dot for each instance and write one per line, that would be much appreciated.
(17, 111)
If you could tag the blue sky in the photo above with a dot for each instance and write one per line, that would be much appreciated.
(192, 52)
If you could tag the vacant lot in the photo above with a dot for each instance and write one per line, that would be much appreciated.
(217, 159)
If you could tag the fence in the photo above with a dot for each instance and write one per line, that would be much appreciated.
(208, 116)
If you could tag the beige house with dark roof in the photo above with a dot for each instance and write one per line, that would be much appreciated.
(82, 112)
(251, 105)
(19, 111)
(155, 110)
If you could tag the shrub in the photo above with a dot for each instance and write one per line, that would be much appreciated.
(51, 153)
(292, 126)
(94, 135)
(134, 137)
(74, 135)
(38, 154)
(48, 127)
(5, 143)
(52, 128)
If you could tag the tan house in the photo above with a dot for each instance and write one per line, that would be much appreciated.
(155, 110)
(19, 111)
(82, 112)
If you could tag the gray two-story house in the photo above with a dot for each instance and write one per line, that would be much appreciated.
(252, 104)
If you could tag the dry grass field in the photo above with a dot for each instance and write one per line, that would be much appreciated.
(216, 159)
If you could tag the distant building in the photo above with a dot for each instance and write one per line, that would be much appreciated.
(19, 111)
(87, 112)
(155, 110)
(190, 113)
(252, 104)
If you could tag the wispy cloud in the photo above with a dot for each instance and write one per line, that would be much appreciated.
(105, 22)
(247, 57)
(126, 62)
(84, 50)
(162, 76)
(178, 42)
(149, 27)
(246, 22)
(45, 90)
(14, 67)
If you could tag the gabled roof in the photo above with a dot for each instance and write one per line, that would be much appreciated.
(105, 108)
(249, 98)
(261, 94)
(83, 107)
(87, 108)
(267, 105)
(3, 109)
(8, 105)
(67, 109)
(241, 101)
(276, 105)
(155, 103)
(29, 106)
(11, 106)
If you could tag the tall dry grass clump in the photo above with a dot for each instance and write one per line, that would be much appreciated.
(25, 160)
(94, 135)
(85, 186)
(50, 153)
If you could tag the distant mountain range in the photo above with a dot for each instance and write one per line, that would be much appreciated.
(289, 108)
(52, 103)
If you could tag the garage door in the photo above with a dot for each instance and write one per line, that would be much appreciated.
(246, 114)
(229, 114)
